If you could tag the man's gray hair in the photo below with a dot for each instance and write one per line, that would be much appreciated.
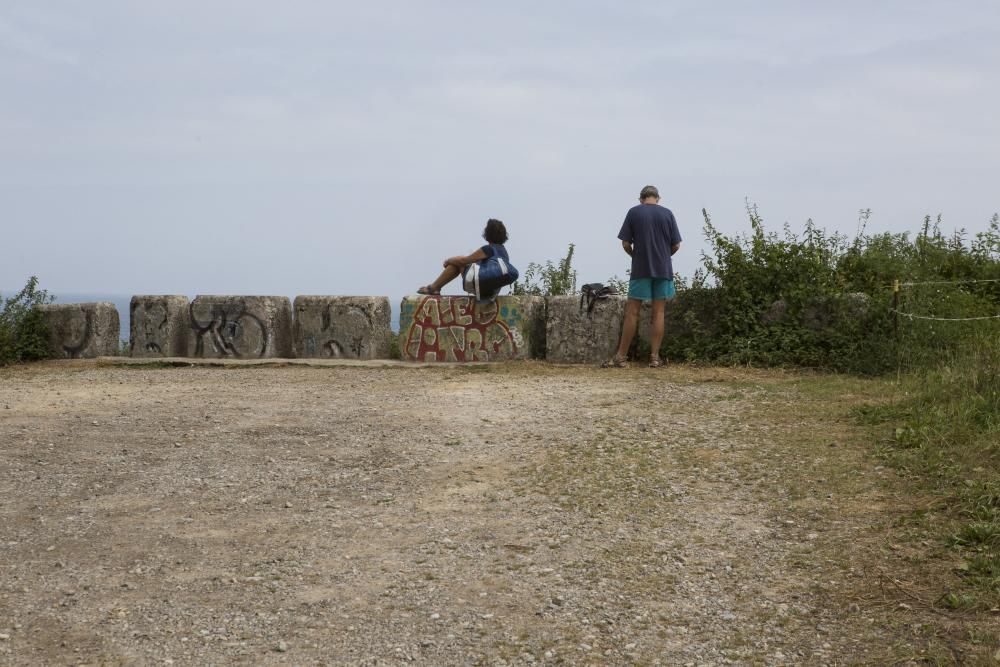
(649, 191)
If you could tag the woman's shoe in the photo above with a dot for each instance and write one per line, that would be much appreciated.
(655, 362)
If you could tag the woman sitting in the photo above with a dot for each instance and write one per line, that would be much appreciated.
(496, 235)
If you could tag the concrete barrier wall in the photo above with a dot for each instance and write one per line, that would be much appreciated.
(432, 328)
(578, 337)
(240, 327)
(575, 335)
(82, 330)
(456, 328)
(159, 326)
(341, 327)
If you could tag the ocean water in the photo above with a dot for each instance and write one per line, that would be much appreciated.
(123, 301)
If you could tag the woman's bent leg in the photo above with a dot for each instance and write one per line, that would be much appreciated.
(450, 273)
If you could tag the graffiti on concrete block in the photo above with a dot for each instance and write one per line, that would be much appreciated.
(458, 329)
(150, 325)
(344, 332)
(81, 330)
(227, 329)
(76, 332)
(159, 325)
(150, 318)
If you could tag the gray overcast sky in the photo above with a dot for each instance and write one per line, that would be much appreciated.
(346, 148)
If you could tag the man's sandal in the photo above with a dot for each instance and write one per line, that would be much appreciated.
(615, 362)
(428, 291)
(655, 362)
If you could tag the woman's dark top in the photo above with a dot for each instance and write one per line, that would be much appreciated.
(491, 249)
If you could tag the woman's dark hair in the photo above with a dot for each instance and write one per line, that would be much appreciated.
(495, 232)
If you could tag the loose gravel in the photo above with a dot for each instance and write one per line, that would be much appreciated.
(514, 514)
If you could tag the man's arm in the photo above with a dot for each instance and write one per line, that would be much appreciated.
(674, 248)
(627, 245)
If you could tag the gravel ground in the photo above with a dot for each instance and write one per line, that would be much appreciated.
(498, 515)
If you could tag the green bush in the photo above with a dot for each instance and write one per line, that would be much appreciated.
(826, 301)
(550, 279)
(23, 334)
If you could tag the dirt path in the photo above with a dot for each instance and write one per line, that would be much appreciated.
(513, 514)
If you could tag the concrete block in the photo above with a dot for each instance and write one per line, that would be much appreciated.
(82, 330)
(342, 327)
(575, 336)
(820, 312)
(241, 327)
(159, 326)
(828, 312)
(455, 328)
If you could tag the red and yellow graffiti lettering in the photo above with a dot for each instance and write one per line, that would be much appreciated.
(457, 329)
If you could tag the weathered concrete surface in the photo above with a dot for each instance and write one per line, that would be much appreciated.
(834, 311)
(821, 312)
(342, 327)
(82, 330)
(455, 328)
(241, 327)
(575, 336)
(160, 326)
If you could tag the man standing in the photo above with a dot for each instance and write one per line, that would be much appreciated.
(650, 236)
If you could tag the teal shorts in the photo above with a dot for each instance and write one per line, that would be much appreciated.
(651, 289)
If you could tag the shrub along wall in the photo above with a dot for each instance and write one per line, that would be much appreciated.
(826, 301)
(23, 331)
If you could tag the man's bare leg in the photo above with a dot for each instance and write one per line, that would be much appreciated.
(657, 325)
(628, 327)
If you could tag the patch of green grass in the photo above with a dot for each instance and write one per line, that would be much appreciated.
(153, 364)
(943, 433)
(986, 569)
(474, 368)
(978, 533)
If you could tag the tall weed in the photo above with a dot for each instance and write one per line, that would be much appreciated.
(548, 279)
(23, 334)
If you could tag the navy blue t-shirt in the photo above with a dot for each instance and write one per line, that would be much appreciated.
(652, 230)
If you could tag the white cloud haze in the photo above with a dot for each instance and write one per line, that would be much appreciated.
(347, 148)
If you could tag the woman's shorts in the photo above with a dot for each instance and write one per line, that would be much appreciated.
(651, 289)
(468, 280)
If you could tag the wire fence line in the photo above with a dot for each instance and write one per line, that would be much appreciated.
(933, 318)
(913, 316)
(950, 282)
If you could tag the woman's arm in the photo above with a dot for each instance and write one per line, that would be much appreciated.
(462, 262)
